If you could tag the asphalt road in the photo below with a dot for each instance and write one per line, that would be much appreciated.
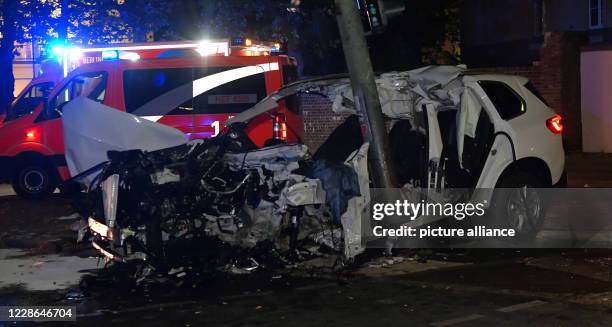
(41, 265)
(550, 288)
(380, 301)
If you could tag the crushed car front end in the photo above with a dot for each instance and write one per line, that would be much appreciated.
(221, 200)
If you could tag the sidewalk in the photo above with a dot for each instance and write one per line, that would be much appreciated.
(6, 189)
(589, 169)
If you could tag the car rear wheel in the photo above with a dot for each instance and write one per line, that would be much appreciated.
(34, 181)
(518, 203)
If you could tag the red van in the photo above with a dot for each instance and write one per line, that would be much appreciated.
(195, 94)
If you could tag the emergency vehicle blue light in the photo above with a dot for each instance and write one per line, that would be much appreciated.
(110, 55)
(57, 50)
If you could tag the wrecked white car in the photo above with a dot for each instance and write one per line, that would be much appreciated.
(447, 130)
(450, 129)
(216, 201)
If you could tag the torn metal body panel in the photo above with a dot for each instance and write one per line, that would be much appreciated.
(446, 132)
(358, 207)
(417, 97)
(91, 129)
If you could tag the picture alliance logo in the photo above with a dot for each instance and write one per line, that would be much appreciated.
(412, 210)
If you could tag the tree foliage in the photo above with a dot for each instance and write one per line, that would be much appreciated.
(7, 82)
(443, 43)
(90, 21)
(101, 22)
(84, 22)
(31, 17)
(263, 19)
(308, 25)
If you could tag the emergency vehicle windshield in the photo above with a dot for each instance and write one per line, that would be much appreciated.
(92, 86)
(31, 98)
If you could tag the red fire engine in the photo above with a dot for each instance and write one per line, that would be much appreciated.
(194, 87)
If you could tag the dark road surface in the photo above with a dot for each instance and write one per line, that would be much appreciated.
(546, 287)
(382, 302)
(550, 288)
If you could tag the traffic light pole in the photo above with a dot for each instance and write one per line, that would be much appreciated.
(365, 93)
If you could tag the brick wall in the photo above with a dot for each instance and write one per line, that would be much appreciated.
(319, 120)
(556, 76)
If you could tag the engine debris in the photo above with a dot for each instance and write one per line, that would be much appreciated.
(224, 204)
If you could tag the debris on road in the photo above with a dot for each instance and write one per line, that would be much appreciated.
(73, 216)
(74, 295)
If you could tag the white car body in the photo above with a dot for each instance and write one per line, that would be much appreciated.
(531, 138)
(523, 142)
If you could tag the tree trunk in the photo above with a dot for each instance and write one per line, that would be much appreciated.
(7, 52)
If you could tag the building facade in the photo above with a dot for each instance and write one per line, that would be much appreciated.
(26, 65)
(511, 32)
(551, 42)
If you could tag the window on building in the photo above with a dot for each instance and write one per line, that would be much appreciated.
(595, 12)
(507, 103)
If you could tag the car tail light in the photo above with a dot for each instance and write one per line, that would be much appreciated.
(279, 127)
(555, 124)
(283, 131)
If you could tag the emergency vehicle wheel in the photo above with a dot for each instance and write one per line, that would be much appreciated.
(519, 204)
(33, 181)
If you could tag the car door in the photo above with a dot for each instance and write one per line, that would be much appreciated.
(29, 100)
(222, 92)
(498, 100)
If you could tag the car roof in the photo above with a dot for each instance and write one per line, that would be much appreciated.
(506, 78)
(105, 64)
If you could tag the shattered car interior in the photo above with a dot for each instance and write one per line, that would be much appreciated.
(221, 199)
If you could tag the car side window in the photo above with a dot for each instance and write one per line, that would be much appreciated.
(90, 85)
(143, 86)
(506, 101)
(140, 86)
(33, 97)
(41, 90)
